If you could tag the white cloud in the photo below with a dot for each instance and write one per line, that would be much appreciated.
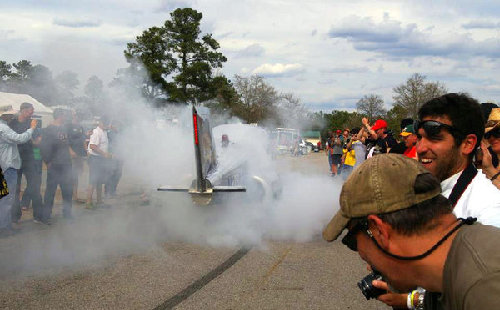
(278, 70)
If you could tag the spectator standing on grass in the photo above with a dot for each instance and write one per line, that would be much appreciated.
(76, 139)
(98, 159)
(55, 151)
(29, 168)
(10, 162)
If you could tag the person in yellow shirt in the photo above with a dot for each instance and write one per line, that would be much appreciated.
(348, 160)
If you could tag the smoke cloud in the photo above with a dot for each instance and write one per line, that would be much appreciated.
(156, 147)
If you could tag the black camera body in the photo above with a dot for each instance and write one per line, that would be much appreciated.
(367, 288)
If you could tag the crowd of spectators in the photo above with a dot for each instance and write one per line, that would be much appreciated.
(62, 147)
(413, 206)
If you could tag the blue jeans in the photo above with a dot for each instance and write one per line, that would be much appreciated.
(6, 202)
(346, 171)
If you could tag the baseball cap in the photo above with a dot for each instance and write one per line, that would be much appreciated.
(408, 130)
(380, 123)
(382, 184)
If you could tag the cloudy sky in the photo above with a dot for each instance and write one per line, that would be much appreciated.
(329, 53)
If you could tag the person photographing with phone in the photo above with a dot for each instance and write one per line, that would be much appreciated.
(10, 162)
(490, 148)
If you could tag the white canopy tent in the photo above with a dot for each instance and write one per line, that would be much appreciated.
(11, 101)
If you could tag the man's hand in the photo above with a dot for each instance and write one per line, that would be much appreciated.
(390, 299)
(33, 124)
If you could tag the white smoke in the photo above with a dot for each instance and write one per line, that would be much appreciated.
(157, 149)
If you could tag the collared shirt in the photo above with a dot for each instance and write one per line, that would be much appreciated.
(99, 138)
(9, 139)
(481, 199)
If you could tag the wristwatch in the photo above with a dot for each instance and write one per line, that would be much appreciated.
(420, 302)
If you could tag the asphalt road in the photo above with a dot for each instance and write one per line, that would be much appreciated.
(125, 258)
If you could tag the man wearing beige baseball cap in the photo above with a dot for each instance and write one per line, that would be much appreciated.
(402, 226)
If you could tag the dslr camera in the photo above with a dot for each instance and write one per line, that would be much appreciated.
(367, 288)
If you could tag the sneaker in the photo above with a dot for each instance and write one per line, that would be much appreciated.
(89, 206)
(37, 221)
(47, 222)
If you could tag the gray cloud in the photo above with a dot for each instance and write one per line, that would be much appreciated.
(392, 39)
(254, 50)
(345, 69)
(479, 24)
(340, 103)
(78, 23)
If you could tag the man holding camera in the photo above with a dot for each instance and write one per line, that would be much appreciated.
(449, 129)
(402, 226)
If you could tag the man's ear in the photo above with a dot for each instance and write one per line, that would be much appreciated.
(468, 144)
(381, 231)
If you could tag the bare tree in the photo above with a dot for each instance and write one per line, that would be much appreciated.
(371, 105)
(258, 98)
(416, 92)
(291, 111)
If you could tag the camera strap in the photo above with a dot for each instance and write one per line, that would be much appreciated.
(467, 221)
(462, 183)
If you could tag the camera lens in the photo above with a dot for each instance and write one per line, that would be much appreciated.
(367, 288)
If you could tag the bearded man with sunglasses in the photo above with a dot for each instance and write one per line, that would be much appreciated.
(402, 226)
(449, 130)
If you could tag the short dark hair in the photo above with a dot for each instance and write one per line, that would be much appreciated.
(355, 131)
(25, 105)
(486, 108)
(58, 113)
(422, 216)
(405, 122)
(463, 111)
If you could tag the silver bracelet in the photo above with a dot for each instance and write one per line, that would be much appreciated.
(420, 302)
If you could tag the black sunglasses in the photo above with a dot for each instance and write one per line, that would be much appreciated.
(492, 133)
(433, 128)
(350, 238)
